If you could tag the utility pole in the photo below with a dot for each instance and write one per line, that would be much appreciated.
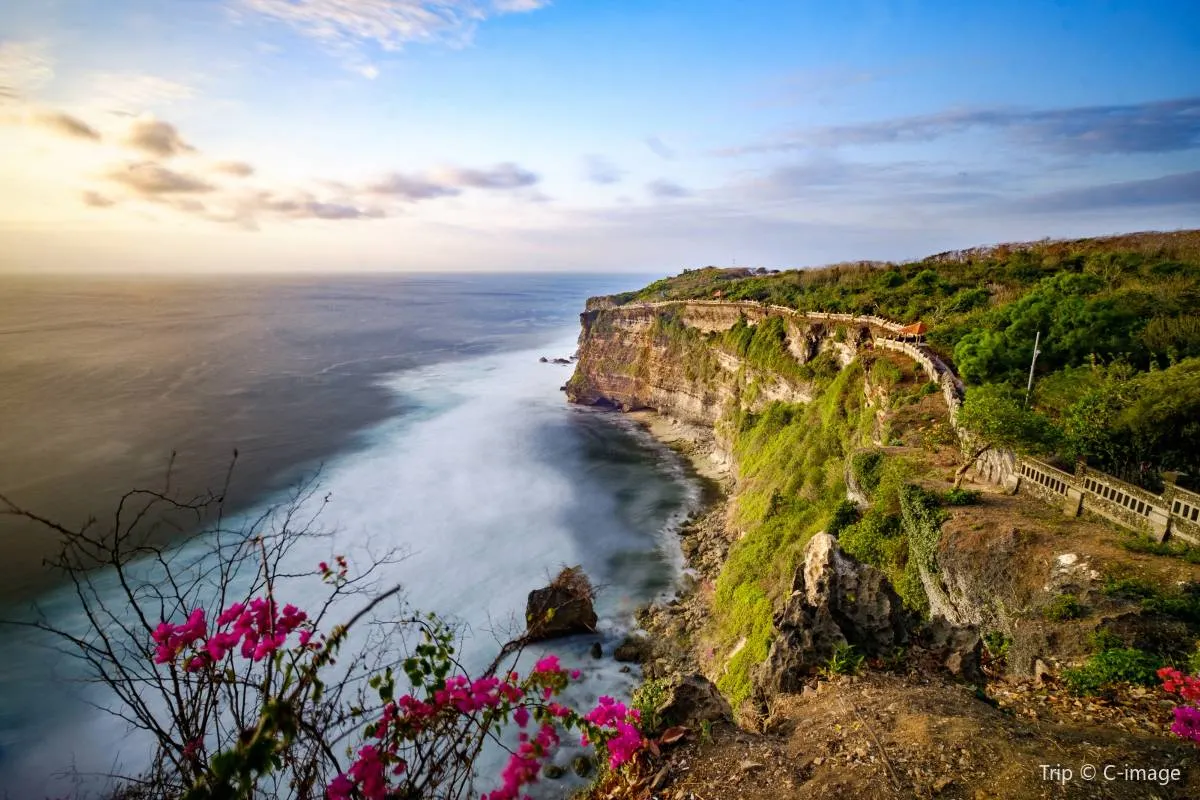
(1029, 387)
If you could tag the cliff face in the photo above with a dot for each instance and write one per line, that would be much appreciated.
(630, 359)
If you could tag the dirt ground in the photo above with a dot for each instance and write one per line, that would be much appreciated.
(881, 735)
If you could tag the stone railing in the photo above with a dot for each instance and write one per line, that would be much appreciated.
(1175, 513)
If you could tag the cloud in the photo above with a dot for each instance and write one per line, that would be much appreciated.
(150, 179)
(410, 187)
(501, 176)
(25, 67)
(97, 200)
(660, 148)
(601, 171)
(157, 138)
(66, 125)
(238, 169)
(345, 25)
(1152, 127)
(667, 190)
(450, 181)
(1179, 189)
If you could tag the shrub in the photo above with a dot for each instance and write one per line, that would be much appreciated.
(997, 643)
(960, 497)
(646, 699)
(866, 466)
(844, 515)
(1062, 608)
(846, 660)
(1112, 667)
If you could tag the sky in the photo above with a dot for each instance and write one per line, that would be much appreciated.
(643, 135)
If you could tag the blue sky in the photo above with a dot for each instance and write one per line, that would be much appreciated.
(244, 135)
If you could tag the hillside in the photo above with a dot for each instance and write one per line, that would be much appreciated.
(845, 545)
(1117, 317)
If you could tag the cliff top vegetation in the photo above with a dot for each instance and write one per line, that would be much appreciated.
(1118, 370)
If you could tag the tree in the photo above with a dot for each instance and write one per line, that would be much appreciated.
(994, 417)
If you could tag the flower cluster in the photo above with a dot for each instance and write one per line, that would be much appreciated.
(1187, 717)
(259, 627)
(334, 576)
(403, 720)
(626, 739)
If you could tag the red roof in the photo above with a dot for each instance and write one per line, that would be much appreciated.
(916, 329)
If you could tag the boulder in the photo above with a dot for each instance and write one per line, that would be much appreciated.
(959, 648)
(835, 601)
(690, 700)
(634, 648)
(563, 608)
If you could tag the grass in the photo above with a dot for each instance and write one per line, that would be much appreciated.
(1110, 668)
(1144, 544)
(1064, 607)
(792, 483)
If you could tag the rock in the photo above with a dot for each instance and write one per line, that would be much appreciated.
(959, 648)
(692, 699)
(543, 360)
(597, 651)
(559, 361)
(1041, 672)
(749, 766)
(941, 783)
(582, 766)
(634, 648)
(562, 608)
(835, 601)
(661, 779)
(625, 669)
(553, 771)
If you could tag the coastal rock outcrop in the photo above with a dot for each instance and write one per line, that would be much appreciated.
(691, 700)
(563, 608)
(835, 601)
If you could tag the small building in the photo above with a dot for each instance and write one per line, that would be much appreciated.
(913, 333)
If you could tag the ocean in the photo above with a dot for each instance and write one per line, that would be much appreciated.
(421, 401)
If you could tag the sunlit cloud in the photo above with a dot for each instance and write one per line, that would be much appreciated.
(148, 178)
(97, 200)
(65, 125)
(238, 169)
(157, 138)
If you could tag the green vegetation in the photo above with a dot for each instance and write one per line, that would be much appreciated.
(884, 535)
(1183, 604)
(846, 660)
(961, 497)
(998, 418)
(647, 699)
(997, 644)
(1064, 607)
(1109, 668)
(1144, 544)
(1118, 375)
(790, 460)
